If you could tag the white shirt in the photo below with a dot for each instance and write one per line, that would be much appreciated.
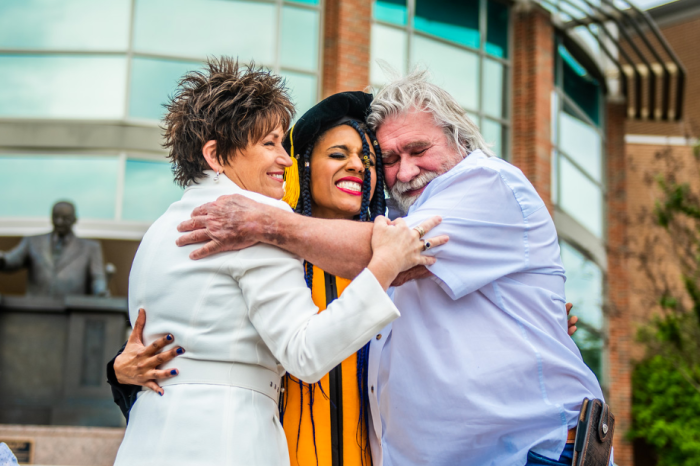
(480, 368)
(243, 317)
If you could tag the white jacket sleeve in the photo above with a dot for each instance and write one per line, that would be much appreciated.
(306, 343)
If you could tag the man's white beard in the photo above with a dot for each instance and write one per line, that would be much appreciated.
(404, 201)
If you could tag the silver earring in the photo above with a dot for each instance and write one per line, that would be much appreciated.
(216, 178)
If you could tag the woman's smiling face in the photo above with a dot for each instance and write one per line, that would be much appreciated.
(337, 173)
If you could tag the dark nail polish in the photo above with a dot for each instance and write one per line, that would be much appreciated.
(180, 350)
(160, 393)
(173, 372)
(169, 337)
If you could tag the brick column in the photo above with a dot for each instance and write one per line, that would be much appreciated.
(346, 31)
(533, 83)
(620, 331)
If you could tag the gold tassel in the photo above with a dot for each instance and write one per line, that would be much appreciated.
(291, 178)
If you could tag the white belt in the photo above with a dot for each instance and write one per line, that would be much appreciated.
(232, 374)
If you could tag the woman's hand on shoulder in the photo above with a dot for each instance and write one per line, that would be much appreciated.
(396, 247)
(138, 364)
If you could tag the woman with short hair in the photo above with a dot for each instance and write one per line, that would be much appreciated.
(244, 317)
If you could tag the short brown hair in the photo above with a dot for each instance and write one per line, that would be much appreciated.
(229, 103)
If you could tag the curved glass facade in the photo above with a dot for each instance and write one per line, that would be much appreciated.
(464, 44)
(578, 190)
(118, 61)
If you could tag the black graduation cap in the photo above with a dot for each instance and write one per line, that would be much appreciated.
(328, 112)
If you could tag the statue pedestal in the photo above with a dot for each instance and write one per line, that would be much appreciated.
(53, 353)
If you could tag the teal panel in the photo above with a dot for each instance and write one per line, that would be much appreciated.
(391, 11)
(149, 190)
(31, 184)
(497, 27)
(454, 21)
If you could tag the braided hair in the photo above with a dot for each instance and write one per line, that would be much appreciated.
(371, 207)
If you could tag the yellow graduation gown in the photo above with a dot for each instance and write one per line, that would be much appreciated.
(335, 424)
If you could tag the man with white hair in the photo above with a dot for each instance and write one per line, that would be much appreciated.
(479, 369)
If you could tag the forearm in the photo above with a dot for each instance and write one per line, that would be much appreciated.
(340, 247)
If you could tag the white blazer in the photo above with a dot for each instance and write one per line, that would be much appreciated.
(243, 318)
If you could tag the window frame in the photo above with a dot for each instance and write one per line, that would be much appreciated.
(504, 121)
(130, 54)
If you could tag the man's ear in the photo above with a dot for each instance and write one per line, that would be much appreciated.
(209, 153)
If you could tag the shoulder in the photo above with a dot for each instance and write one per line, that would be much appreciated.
(487, 177)
(266, 200)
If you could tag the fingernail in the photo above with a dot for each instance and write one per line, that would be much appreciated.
(173, 372)
(169, 337)
(160, 393)
(180, 350)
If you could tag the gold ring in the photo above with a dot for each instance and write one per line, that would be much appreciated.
(420, 230)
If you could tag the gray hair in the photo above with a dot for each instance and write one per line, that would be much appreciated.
(414, 91)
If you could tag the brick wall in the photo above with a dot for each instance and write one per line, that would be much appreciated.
(346, 34)
(533, 83)
(617, 306)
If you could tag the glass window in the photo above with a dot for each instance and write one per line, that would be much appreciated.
(389, 45)
(497, 29)
(580, 86)
(299, 45)
(62, 86)
(454, 69)
(90, 182)
(303, 90)
(584, 288)
(391, 11)
(493, 134)
(65, 24)
(186, 28)
(152, 81)
(581, 142)
(580, 197)
(554, 180)
(494, 88)
(149, 190)
(454, 21)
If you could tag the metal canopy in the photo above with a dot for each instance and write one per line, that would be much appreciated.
(651, 76)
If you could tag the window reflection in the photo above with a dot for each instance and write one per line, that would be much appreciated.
(581, 142)
(493, 134)
(65, 24)
(497, 29)
(584, 288)
(62, 86)
(152, 82)
(453, 68)
(454, 21)
(202, 28)
(148, 190)
(580, 85)
(580, 197)
(389, 45)
(299, 38)
(494, 90)
(303, 90)
(391, 11)
(90, 182)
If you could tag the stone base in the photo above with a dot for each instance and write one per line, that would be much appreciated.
(67, 446)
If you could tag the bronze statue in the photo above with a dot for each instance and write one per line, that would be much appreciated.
(59, 263)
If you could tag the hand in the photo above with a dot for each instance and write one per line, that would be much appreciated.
(416, 273)
(137, 364)
(228, 224)
(396, 248)
(572, 320)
